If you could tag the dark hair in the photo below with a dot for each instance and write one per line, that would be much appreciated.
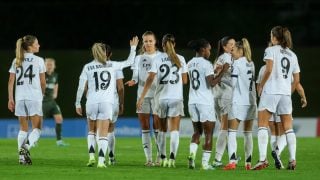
(222, 42)
(168, 43)
(108, 50)
(196, 45)
(283, 35)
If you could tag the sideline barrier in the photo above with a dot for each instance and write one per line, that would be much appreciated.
(130, 127)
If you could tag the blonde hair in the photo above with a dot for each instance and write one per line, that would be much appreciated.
(22, 46)
(99, 52)
(50, 59)
(245, 46)
(168, 43)
(147, 33)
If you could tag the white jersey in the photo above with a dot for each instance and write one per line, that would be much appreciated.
(244, 91)
(169, 77)
(261, 72)
(141, 67)
(119, 75)
(224, 89)
(200, 92)
(285, 64)
(28, 86)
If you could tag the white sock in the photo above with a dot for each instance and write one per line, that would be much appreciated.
(174, 143)
(34, 137)
(291, 139)
(146, 144)
(111, 144)
(282, 142)
(103, 147)
(22, 136)
(162, 143)
(205, 158)
(232, 145)
(193, 149)
(273, 142)
(221, 144)
(156, 132)
(262, 143)
(91, 140)
(248, 146)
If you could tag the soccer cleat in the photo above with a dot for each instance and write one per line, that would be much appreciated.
(247, 166)
(101, 165)
(112, 161)
(292, 165)
(191, 162)
(91, 162)
(217, 163)
(26, 155)
(61, 143)
(207, 167)
(149, 164)
(164, 162)
(260, 165)
(230, 166)
(171, 163)
(158, 163)
(21, 157)
(277, 161)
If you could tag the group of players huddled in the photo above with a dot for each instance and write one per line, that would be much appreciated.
(225, 89)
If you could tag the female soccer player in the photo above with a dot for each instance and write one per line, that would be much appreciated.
(275, 90)
(171, 73)
(201, 101)
(140, 72)
(27, 72)
(278, 139)
(49, 105)
(244, 106)
(223, 95)
(99, 75)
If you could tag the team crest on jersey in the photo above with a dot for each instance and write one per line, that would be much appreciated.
(144, 60)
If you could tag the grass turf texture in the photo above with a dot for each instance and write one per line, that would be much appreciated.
(52, 162)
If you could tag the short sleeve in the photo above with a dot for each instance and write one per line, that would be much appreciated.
(119, 75)
(42, 66)
(154, 65)
(261, 72)
(13, 67)
(268, 54)
(296, 68)
(208, 69)
(184, 68)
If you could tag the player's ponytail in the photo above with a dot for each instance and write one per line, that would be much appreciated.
(283, 35)
(246, 49)
(99, 52)
(22, 45)
(168, 43)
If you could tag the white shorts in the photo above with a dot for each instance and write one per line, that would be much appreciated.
(274, 103)
(222, 106)
(115, 113)
(100, 111)
(201, 112)
(170, 108)
(147, 106)
(28, 108)
(243, 112)
(275, 117)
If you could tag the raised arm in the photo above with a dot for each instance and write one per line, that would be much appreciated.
(133, 44)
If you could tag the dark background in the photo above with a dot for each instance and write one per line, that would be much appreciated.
(67, 29)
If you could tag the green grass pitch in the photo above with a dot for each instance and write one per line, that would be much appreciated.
(52, 162)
